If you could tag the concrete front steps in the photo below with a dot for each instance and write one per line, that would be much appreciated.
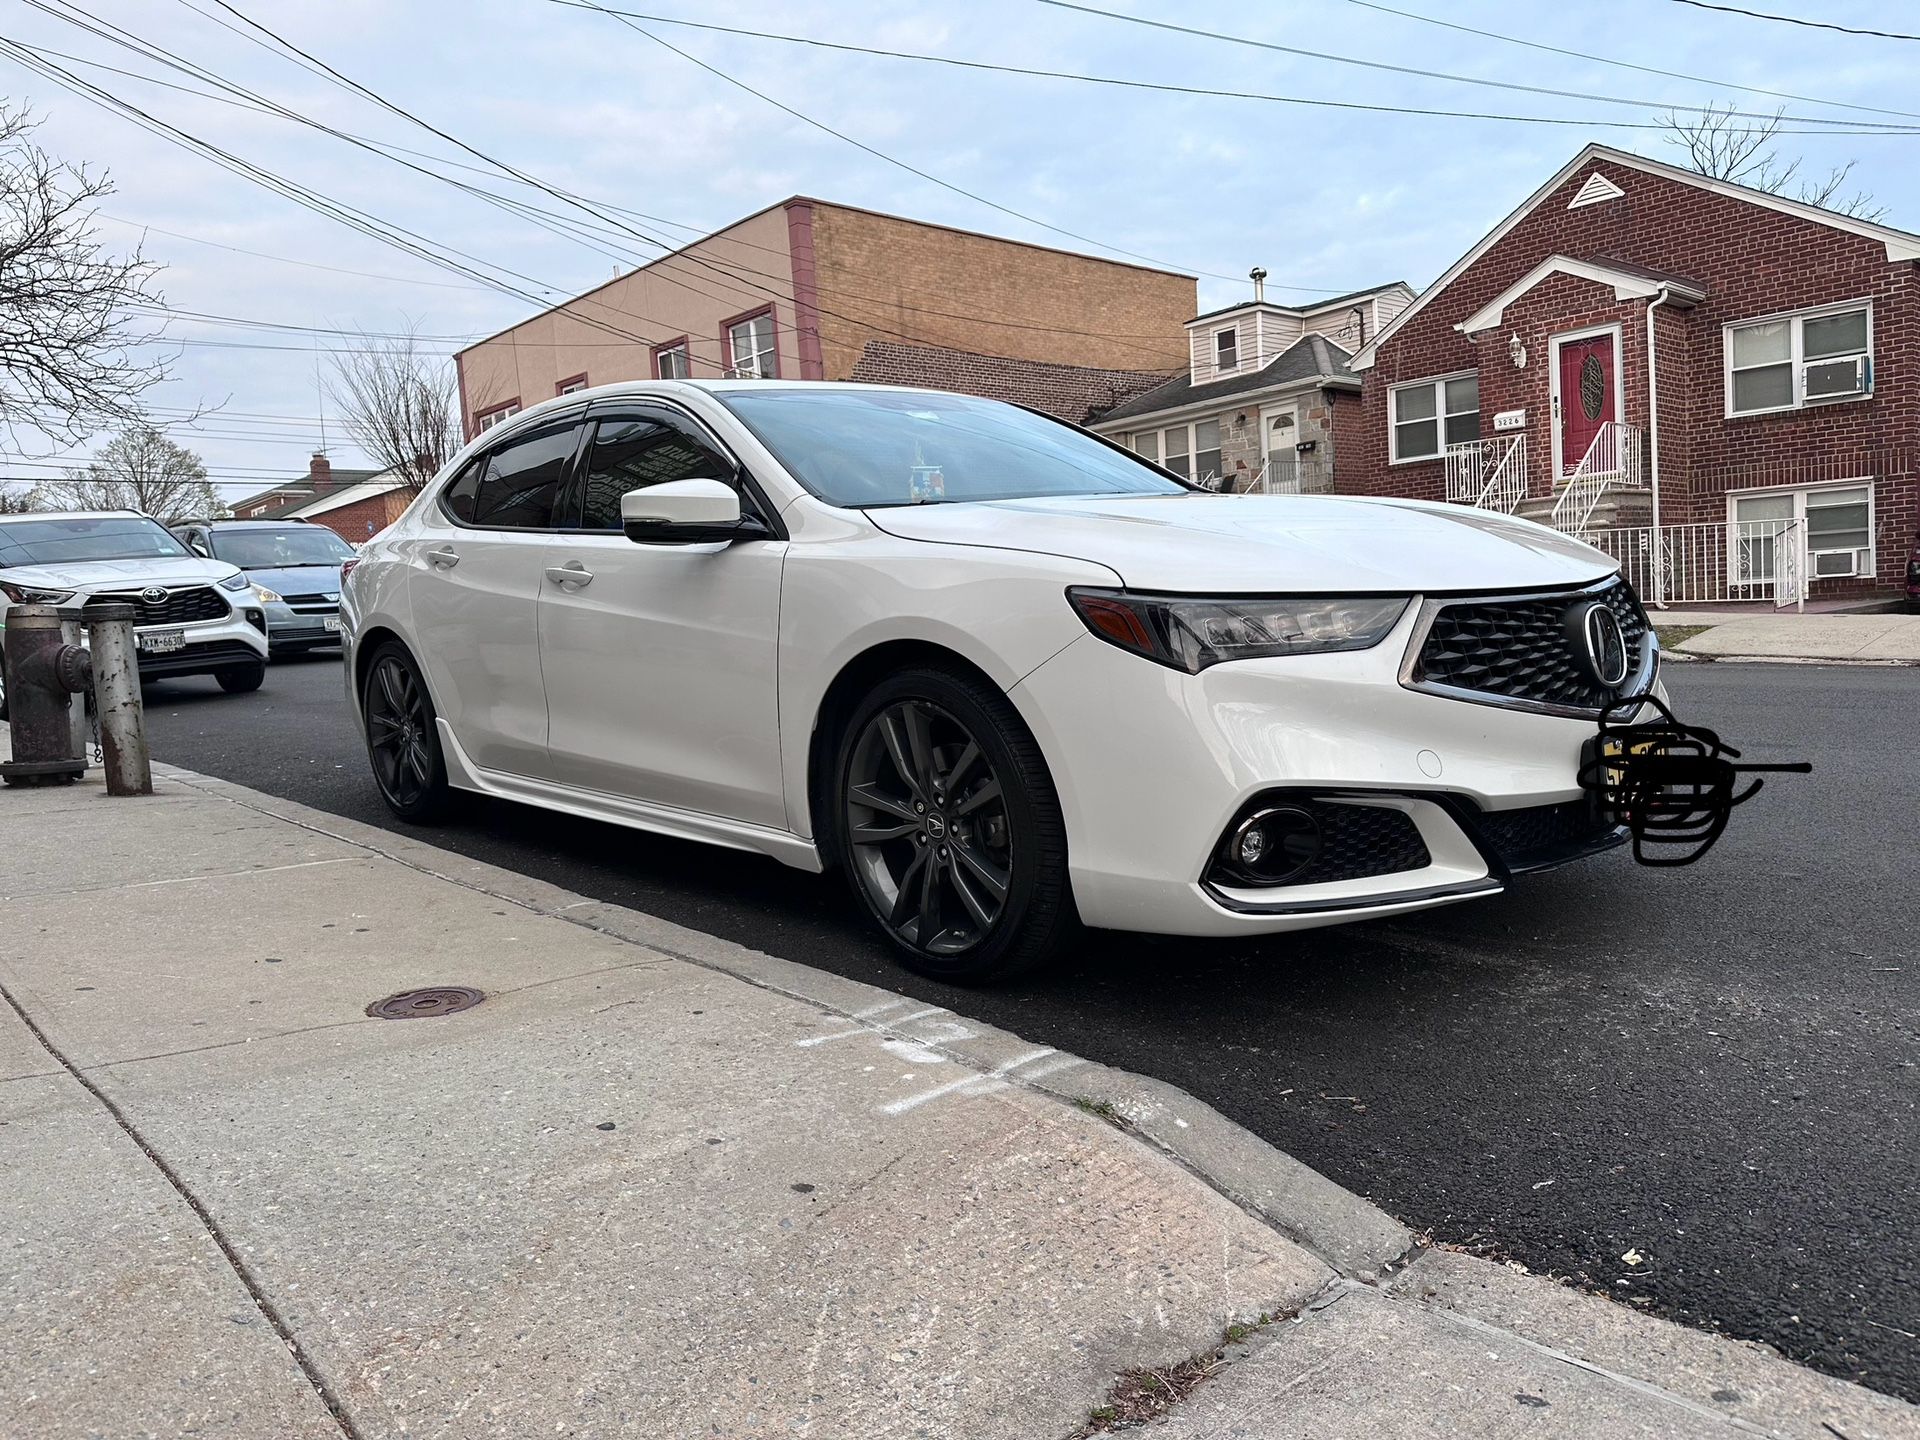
(1619, 508)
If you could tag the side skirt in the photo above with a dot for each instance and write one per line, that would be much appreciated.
(787, 848)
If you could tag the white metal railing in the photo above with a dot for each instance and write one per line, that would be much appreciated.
(1712, 563)
(1490, 474)
(1612, 461)
(1293, 477)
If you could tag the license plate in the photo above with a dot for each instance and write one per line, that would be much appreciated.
(330, 622)
(162, 642)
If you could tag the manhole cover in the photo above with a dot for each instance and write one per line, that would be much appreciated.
(425, 1004)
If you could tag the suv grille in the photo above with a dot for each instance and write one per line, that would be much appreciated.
(1524, 651)
(181, 607)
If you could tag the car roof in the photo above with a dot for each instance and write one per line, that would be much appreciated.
(75, 515)
(249, 524)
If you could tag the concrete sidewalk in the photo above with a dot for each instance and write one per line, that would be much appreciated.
(658, 1185)
(1888, 638)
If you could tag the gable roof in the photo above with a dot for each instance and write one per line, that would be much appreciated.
(1071, 392)
(1311, 357)
(1901, 244)
(1316, 307)
(1627, 281)
(296, 495)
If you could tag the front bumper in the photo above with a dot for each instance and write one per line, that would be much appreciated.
(210, 646)
(290, 629)
(1152, 765)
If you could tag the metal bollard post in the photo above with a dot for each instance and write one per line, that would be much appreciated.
(116, 689)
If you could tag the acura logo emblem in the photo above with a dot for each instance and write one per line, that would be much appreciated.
(153, 595)
(1606, 646)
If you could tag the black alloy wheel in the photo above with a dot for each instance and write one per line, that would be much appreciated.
(402, 740)
(951, 831)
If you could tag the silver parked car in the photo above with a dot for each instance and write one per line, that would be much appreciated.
(295, 566)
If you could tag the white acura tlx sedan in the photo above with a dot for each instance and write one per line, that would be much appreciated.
(1009, 677)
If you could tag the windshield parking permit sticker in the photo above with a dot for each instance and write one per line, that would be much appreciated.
(1671, 785)
(928, 482)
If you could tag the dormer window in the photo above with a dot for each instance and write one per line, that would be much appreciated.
(1226, 350)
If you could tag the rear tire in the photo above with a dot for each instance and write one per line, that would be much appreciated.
(403, 737)
(242, 679)
(949, 828)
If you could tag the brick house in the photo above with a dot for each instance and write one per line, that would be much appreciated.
(1266, 400)
(355, 504)
(811, 290)
(1666, 363)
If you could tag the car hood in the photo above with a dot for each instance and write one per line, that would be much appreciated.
(1267, 543)
(120, 574)
(298, 579)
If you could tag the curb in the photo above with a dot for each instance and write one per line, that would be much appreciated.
(1348, 1234)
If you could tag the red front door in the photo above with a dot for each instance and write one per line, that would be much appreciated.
(1588, 395)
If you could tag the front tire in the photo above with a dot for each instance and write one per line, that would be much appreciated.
(950, 831)
(242, 679)
(403, 738)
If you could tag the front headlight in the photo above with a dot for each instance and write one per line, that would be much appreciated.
(1192, 633)
(236, 581)
(266, 596)
(29, 595)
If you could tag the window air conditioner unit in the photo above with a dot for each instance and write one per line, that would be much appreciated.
(1835, 564)
(1834, 379)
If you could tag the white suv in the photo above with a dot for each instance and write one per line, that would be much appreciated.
(191, 616)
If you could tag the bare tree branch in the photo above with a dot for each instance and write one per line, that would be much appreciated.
(399, 404)
(68, 362)
(139, 469)
(1723, 147)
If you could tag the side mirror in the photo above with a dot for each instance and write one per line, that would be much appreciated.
(687, 512)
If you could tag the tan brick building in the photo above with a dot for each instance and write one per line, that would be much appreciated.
(803, 289)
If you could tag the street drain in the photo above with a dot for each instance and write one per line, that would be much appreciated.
(425, 1004)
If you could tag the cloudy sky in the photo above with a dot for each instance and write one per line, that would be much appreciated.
(1327, 199)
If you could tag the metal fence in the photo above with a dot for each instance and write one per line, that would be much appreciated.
(1762, 560)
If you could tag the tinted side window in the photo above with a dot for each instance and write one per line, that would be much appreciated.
(457, 499)
(633, 454)
(519, 483)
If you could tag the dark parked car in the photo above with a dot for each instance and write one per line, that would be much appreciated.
(295, 564)
(1913, 574)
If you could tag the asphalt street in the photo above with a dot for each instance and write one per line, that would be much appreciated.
(1693, 1089)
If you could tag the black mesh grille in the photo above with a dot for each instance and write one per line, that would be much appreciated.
(181, 607)
(196, 659)
(1543, 834)
(320, 604)
(1356, 841)
(1524, 649)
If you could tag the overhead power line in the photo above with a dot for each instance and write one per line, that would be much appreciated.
(288, 259)
(1867, 127)
(915, 170)
(1212, 92)
(726, 273)
(1630, 65)
(1801, 20)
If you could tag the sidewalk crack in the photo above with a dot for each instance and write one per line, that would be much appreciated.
(242, 1271)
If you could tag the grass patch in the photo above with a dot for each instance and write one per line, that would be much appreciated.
(1140, 1397)
(1672, 636)
(1104, 1109)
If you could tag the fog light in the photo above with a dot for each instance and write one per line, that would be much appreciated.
(1273, 845)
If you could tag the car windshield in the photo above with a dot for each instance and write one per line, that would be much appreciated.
(861, 448)
(286, 546)
(68, 539)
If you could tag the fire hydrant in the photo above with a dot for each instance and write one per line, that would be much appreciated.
(45, 670)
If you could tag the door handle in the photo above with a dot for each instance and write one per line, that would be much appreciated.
(571, 573)
(446, 557)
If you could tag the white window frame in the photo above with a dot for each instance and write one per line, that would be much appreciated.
(1796, 357)
(1437, 384)
(771, 351)
(1800, 494)
(1218, 368)
(487, 419)
(1157, 437)
(684, 351)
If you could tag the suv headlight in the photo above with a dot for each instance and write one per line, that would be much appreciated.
(266, 596)
(1192, 633)
(236, 581)
(30, 595)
